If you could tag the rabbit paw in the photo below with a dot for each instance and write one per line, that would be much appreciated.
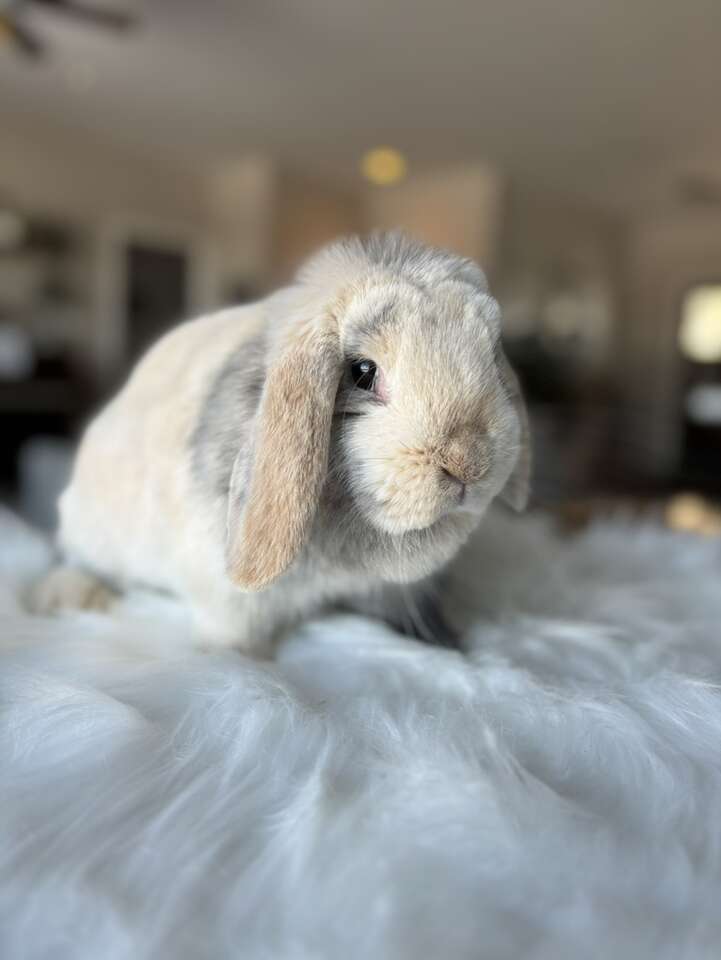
(68, 588)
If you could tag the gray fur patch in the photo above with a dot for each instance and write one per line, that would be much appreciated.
(398, 254)
(227, 415)
(422, 265)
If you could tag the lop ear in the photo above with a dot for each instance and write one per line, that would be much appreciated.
(518, 485)
(273, 499)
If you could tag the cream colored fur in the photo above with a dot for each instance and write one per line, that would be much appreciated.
(132, 511)
(336, 492)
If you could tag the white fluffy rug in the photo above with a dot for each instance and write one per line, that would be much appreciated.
(556, 793)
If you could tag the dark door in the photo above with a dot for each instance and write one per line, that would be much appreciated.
(700, 343)
(701, 463)
(157, 292)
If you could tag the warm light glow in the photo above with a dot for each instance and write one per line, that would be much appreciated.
(699, 335)
(692, 514)
(383, 166)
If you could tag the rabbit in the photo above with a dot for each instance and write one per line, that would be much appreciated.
(334, 444)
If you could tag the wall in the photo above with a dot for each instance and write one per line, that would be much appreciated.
(241, 197)
(56, 172)
(459, 208)
(307, 215)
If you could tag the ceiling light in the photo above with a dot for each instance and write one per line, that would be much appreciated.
(383, 166)
(699, 335)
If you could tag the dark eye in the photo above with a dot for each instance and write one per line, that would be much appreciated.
(363, 373)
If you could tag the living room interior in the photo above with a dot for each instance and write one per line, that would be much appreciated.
(192, 160)
(286, 683)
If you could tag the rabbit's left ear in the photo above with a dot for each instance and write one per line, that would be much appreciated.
(270, 519)
(518, 485)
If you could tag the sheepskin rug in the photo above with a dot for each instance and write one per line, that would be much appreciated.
(554, 793)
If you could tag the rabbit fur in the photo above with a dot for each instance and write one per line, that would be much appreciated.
(243, 468)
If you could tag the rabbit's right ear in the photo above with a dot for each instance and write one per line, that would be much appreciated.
(517, 489)
(272, 503)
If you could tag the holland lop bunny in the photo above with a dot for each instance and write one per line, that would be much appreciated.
(331, 444)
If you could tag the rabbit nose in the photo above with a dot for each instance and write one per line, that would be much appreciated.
(465, 462)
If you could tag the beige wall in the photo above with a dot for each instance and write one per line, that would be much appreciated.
(458, 208)
(307, 215)
(78, 176)
(241, 196)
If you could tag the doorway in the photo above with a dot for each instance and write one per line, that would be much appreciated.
(699, 340)
(157, 283)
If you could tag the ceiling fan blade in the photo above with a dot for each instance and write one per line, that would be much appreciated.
(21, 38)
(112, 18)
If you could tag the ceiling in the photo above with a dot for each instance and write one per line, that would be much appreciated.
(605, 100)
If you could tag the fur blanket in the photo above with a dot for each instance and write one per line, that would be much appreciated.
(555, 793)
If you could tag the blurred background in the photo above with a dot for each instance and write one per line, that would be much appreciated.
(163, 158)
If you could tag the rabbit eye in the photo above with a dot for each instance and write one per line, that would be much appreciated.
(363, 373)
